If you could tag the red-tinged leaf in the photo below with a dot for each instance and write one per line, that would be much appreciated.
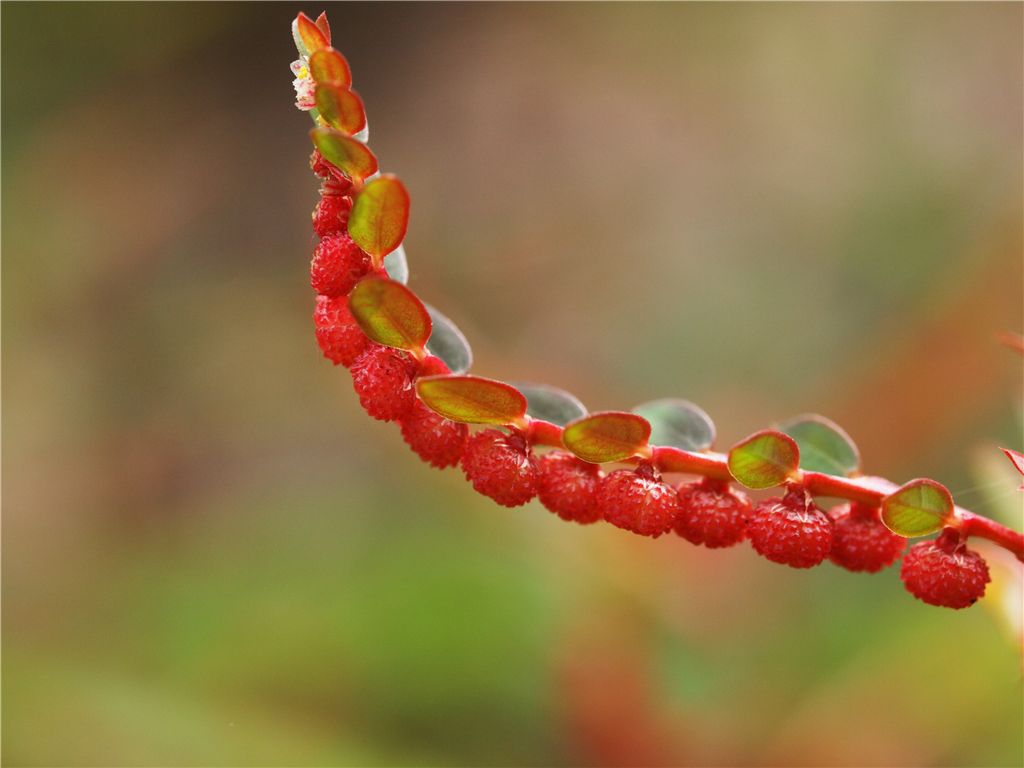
(352, 157)
(1018, 461)
(917, 508)
(324, 25)
(308, 37)
(389, 313)
(766, 459)
(329, 66)
(340, 107)
(607, 436)
(472, 399)
(380, 216)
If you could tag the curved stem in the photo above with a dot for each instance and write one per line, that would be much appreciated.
(864, 489)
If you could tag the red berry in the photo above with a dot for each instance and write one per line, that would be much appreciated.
(501, 467)
(944, 572)
(568, 486)
(436, 440)
(337, 265)
(860, 542)
(383, 378)
(330, 217)
(713, 514)
(638, 501)
(335, 181)
(321, 167)
(340, 338)
(791, 530)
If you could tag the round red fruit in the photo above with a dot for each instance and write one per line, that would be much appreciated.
(330, 217)
(860, 542)
(944, 572)
(638, 501)
(501, 467)
(568, 486)
(713, 514)
(435, 439)
(339, 336)
(383, 378)
(791, 530)
(337, 265)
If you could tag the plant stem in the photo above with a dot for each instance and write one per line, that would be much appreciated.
(864, 489)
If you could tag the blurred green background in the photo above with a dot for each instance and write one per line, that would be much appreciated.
(212, 557)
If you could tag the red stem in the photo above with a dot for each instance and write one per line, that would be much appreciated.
(983, 528)
(864, 489)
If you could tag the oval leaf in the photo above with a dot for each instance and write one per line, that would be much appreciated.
(340, 107)
(607, 436)
(824, 445)
(329, 66)
(307, 35)
(551, 404)
(1017, 459)
(764, 460)
(380, 215)
(472, 399)
(918, 508)
(389, 313)
(324, 25)
(396, 265)
(678, 423)
(448, 343)
(353, 157)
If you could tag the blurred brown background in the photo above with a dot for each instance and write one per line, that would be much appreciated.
(212, 557)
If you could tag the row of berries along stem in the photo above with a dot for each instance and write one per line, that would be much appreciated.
(501, 462)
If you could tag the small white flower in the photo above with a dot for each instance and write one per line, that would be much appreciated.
(305, 88)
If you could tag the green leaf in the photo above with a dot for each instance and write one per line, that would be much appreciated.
(380, 215)
(917, 508)
(389, 313)
(764, 460)
(607, 436)
(307, 35)
(551, 404)
(396, 265)
(824, 445)
(678, 423)
(329, 66)
(472, 399)
(353, 157)
(448, 343)
(340, 107)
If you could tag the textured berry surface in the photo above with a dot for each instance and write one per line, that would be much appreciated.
(638, 501)
(712, 514)
(568, 486)
(791, 530)
(860, 542)
(501, 467)
(944, 574)
(337, 265)
(320, 167)
(330, 217)
(435, 439)
(340, 338)
(383, 378)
